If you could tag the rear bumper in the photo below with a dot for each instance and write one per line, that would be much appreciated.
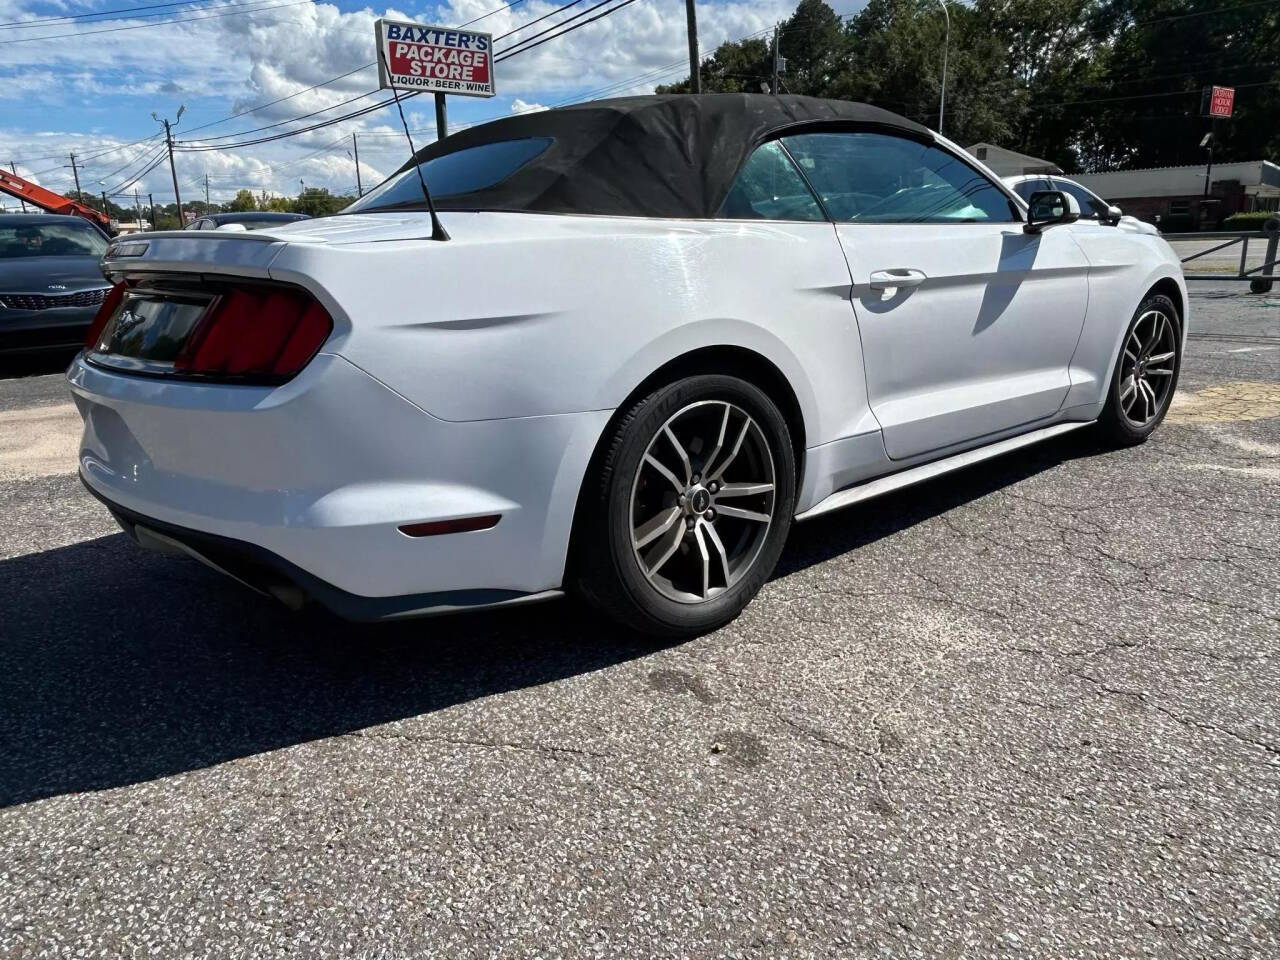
(310, 482)
(274, 576)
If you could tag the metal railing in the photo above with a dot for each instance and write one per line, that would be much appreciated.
(1259, 277)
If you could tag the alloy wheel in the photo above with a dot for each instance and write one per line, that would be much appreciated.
(702, 501)
(1150, 353)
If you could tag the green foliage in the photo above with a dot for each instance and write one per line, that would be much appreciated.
(318, 202)
(1249, 221)
(1091, 84)
(243, 202)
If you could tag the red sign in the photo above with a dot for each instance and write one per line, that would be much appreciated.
(1222, 101)
(438, 59)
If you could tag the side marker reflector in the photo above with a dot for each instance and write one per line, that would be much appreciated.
(437, 527)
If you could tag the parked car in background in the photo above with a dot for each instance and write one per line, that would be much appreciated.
(250, 220)
(1092, 206)
(645, 336)
(51, 283)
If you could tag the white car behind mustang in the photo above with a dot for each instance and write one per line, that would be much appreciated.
(659, 330)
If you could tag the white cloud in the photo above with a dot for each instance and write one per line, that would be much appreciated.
(243, 61)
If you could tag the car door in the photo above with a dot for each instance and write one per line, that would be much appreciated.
(968, 323)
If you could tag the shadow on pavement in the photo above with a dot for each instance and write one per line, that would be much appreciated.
(119, 666)
(36, 363)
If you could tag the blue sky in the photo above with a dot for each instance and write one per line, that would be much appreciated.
(75, 89)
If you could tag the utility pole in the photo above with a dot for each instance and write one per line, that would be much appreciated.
(105, 208)
(206, 188)
(774, 88)
(442, 118)
(946, 48)
(76, 173)
(356, 147)
(14, 168)
(168, 139)
(151, 199)
(137, 209)
(691, 22)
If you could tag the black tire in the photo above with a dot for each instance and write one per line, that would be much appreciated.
(608, 572)
(1116, 427)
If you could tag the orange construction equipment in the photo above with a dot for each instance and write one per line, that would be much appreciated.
(38, 196)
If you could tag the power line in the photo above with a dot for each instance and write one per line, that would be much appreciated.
(21, 24)
(508, 6)
(325, 83)
(367, 66)
(128, 163)
(1204, 13)
(163, 23)
(500, 56)
(509, 52)
(272, 103)
(280, 123)
(124, 185)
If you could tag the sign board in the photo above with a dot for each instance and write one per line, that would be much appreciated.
(1222, 101)
(418, 56)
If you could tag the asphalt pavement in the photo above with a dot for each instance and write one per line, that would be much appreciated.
(1027, 710)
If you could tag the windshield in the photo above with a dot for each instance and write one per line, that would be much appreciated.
(461, 172)
(50, 240)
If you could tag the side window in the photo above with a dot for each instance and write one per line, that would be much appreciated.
(769, 187)
(878, 178)
(1025, 188)
(1090, 206)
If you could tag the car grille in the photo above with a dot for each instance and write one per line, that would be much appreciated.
(40, 301)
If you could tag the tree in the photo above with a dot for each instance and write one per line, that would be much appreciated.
(244, 201)
(1057, 55)
(1163, 53)
(1089, 84)
(735, 67)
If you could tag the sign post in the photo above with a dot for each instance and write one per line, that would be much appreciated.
(1216, 103)
(440, 60)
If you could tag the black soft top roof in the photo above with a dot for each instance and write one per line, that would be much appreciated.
(654, 156)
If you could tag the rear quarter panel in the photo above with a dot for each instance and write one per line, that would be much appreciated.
(525, 315)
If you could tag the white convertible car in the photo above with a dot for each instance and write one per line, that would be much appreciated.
(650, 335)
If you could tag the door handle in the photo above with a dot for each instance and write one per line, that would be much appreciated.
(897, 277)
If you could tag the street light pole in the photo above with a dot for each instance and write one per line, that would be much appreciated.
(946, 48)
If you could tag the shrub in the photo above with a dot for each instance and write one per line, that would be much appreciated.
(1249, 221)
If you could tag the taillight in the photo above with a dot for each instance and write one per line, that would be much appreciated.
(109, 304)
(256, 332)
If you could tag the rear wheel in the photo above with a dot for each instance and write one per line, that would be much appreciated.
(1146, 374)
(689, 508)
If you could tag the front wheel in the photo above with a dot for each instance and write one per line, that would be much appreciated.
(1146, 373)
(689, 507)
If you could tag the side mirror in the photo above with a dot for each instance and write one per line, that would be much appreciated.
(1048, 207)
(1114, 214)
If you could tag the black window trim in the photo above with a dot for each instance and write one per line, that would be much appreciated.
(1055, 180)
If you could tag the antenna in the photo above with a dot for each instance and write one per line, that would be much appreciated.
(438, 231)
